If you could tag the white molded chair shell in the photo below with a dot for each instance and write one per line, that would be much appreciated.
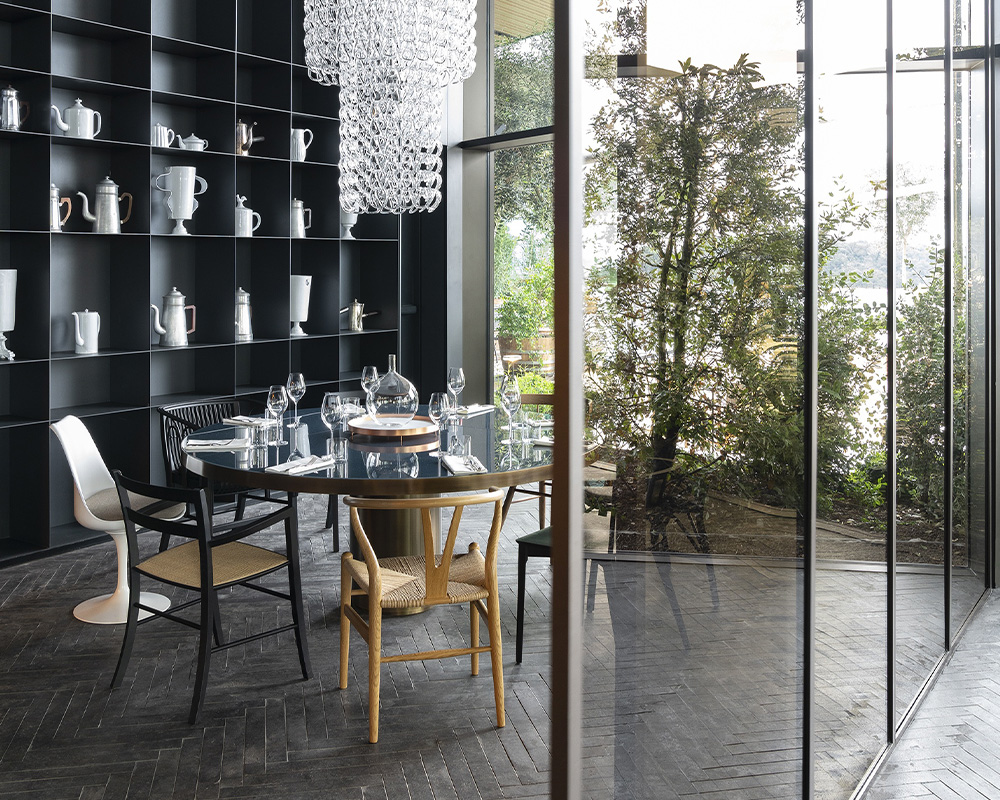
(90, 476)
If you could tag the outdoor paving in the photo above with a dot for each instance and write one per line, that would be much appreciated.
(692, 688)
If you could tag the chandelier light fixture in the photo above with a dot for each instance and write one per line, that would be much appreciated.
(392, 60)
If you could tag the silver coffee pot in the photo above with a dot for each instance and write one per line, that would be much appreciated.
(11, 118)
(56, 218)
(174, 331)
(245, 137)
(357, 314)
(105, 217)
(244, 331)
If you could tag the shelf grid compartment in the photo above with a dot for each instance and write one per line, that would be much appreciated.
(325, 147)
(101, 53)
(317, 186)
(381, 227)
(319, 361)
(124, 112)
(203, 272)
(273, 126)
(213, 215)
(262, 270)
(102, 384)
(191, 70)
(28, 253)
(24, 39)
(369, 272)
(214, 121)
(24, 519)
(259, 365)
(183, 374)
(24, 395)
(264, 28)
(263, 83)
(121, 13)
(121, 440)
(34, 90)
(79, 165)
(25, 206)
(265, 184)
(105, 274)
(321, 260)
(312, 98)
(373, 349)
(211, 24)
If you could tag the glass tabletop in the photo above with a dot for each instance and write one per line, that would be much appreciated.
(392, 465)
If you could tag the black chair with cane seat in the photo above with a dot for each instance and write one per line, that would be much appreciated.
(211, 559)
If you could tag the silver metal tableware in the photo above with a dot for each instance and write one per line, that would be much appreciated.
(174, 331)
(106, 218)
(11, 118)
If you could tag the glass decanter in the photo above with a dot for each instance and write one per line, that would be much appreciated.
(393, 399)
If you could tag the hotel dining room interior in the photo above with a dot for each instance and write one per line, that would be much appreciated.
(602, 403)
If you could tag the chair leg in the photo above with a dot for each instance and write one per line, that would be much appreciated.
(541, 504)
(131, 623)
(522, 561)
(217, 623)
(332, 522)
(164, 541)
(496, 652)
(346, 585)
(209, 603)
(295, 588)
(241, 506)
(374, 665)
(474, 635)
(592, 586)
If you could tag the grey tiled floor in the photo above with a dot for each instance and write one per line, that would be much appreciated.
(692, 688)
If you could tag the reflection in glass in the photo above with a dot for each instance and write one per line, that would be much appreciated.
(522, 65)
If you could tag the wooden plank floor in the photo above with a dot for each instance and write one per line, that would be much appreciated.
(692, 688)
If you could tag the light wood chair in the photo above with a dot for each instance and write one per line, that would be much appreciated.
(408, 581)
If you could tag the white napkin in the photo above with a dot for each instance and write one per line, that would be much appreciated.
(473, 410)
(215, 444)
(457, 466)
(250, 422)
(300, 466)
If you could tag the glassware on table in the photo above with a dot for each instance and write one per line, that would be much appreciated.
(338, 449)
(439, 408)
(510, 400)
(277, 402)
(296, 388)
(369, 377)
(456, 382)
(393, 400)
(331, 411)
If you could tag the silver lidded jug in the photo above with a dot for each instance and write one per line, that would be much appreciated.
(244, 330)
(56, 218)
(174, 331)
(11, 118)
(105, 217)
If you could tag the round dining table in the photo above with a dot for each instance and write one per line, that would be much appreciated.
(375, 466)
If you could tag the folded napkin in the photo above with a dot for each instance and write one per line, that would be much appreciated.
(473, 410)
(458, 466)
(300, 466)
(250, 422)
(543, 441)
(216, 444)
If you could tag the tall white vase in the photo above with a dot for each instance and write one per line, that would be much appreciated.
(8, 291)
(299, 302)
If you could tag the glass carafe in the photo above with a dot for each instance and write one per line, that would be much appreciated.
(393, 399)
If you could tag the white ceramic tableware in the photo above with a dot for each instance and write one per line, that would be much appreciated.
(162, 136)
(87, 324)
(247, 220)
(78, 121)
(299, 145)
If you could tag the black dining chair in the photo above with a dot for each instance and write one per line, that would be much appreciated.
(212, 558)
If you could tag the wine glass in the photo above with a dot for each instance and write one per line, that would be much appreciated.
(510, 399)
(296, 388)
(439, 408)
(369, 377)
(277, 402)
(332, 411)
(456, 382)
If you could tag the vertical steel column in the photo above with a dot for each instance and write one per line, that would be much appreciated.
(890, 421)
(949, 310)
(990, 288)
(567, 484)
(810, 391)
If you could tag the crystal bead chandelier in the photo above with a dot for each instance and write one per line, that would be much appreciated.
(392, 60)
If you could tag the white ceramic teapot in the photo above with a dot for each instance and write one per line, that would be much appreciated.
(87, 326)
(192, 142)
(78, 121)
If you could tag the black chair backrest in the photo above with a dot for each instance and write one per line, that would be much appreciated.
(176, 422)
(162, 497)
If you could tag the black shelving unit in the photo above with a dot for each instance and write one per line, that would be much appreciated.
(196, 68)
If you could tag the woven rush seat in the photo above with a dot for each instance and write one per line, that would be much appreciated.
(231, 563)
(106, 505)
(404, 583)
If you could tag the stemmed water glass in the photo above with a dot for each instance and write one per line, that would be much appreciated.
(456, 382)
(510, 399)
(332, 411)
(369, 377)
(277, 402)
(439, 408)
(296, 388)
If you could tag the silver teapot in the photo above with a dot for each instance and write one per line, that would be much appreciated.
(174, 331)
(357, 314)
(11, 118)
(244, 331)
(105, 216)
(245, 137)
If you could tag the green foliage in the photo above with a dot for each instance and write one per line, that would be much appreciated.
(526, 304)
